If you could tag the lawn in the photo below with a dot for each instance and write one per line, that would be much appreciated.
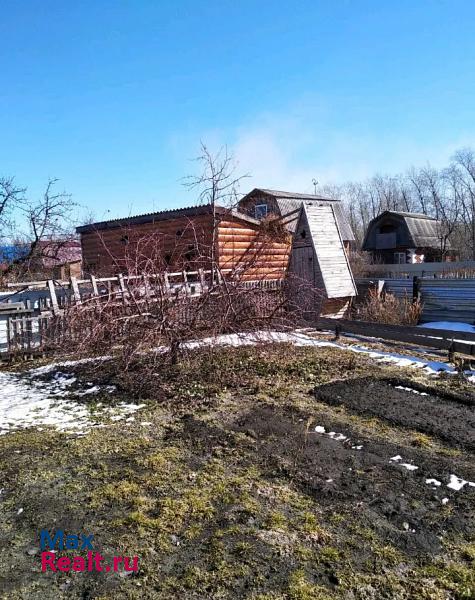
(267, 473)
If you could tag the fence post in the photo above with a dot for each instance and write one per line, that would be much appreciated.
(185, 282)
(54, 298)
(122, 287)
(452, 352)
(337, 331)
(202, 280)
(75, 289)
(416, 289)
(166, 281)
(95, 290)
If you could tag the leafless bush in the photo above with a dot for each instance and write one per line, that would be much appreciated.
(387, 308)
(150, 310)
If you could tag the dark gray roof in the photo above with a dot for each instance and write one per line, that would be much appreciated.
(291, 201)
(164, 215)
(294, 195)
(416, 231)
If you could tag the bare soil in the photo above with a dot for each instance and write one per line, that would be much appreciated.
(449, 417)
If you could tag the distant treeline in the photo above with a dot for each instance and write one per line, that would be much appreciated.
(447, 194)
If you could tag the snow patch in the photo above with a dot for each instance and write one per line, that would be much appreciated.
(434, 482)
(457, 483)
(449, 326)
(26, 401)
(408, 466)
(301, 339)
(408, 389)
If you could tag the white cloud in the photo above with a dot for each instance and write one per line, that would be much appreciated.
(287, 149)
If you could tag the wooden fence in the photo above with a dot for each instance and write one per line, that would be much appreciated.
(38, 332)
(459, 269)
(453, 341)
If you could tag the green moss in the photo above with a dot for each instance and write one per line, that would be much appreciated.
(301, 589)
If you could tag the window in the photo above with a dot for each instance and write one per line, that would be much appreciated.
(400, 258)
(260, 211)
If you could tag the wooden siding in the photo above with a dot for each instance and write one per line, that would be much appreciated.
(180, 242)
(254, 248)
(329, 250)
(249, 203)
(185, 243)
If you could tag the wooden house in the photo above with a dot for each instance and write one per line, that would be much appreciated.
(186, 239)
(401, 237)
(319, 261)
(261, 203)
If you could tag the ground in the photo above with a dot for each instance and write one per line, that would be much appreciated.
(266, 473)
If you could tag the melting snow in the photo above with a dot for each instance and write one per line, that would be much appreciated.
(435, 482)
(407, 466)
(408, 389)
(26, 401)
(457, 483)
(300, 339)
(338, 437)
(450, 326)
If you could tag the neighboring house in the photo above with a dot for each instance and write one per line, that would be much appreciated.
(319, 259)
(50, 259)
(260, 203)
(182, 239)
(402, 237)
(58, 259)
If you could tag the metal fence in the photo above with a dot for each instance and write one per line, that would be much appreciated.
(442, 299)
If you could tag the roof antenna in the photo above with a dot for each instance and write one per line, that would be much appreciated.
(315, 183)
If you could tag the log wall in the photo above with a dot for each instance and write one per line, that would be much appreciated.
(260, 253)
(185, 243)
(167, 244)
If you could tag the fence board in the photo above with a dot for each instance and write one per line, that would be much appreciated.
(434, 338)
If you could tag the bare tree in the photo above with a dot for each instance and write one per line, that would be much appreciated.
(217, 184)
(464, 162)
(39, 229)
(154, 312)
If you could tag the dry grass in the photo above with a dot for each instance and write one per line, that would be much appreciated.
(389, 309)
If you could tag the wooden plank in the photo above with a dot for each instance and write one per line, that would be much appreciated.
(54, 298)
(399, 333)
(95, 289)
(75, 289)
(418, 269)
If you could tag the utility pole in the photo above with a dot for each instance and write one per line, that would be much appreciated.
(315, 183)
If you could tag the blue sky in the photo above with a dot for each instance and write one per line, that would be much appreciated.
(113, 98)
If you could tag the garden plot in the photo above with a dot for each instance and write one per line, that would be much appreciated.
(401, 490)
(256, 475)
(437, 415)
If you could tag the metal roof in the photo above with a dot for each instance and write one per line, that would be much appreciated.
(418, 231)
(291, 201)
(295, 195)
(164, 215)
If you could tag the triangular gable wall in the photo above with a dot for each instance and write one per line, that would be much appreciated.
(329, 250)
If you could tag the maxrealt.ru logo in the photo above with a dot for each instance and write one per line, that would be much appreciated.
(93, 561)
